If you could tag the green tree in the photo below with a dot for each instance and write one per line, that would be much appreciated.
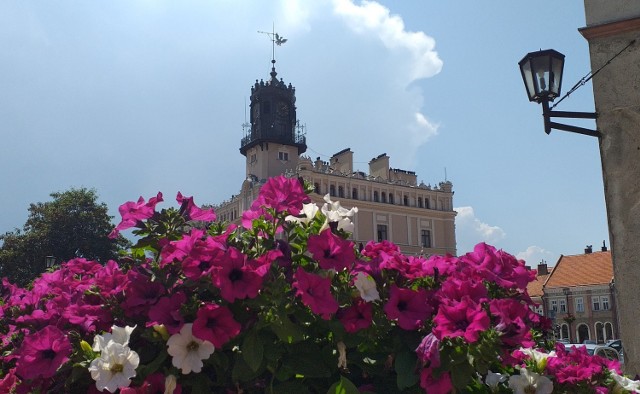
(74, 224)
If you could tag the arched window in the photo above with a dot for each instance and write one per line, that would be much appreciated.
(564, 332)
(599, 328)
(419, 202)
(583, 333)
(375, 196)
(384, 197)
(340, 191)
(405, 201)
(316, 187)
(427, 204)
(332, 190)
(391, 198)
(354, 193)
(608, 331)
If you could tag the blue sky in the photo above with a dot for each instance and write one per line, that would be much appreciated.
(139, 96)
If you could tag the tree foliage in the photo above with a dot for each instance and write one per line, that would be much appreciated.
(74, 224)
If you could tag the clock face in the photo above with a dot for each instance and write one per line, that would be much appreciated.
(283, 109)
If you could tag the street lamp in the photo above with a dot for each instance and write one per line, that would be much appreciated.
(49, 261)
(542, 75)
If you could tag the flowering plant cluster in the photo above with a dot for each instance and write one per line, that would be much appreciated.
(284, 303)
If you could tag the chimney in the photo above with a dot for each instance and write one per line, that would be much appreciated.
(604, 247)
(588, 249)
(542, 268)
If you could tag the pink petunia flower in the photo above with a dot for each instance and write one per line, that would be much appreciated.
(283, 195)
(315, 292)
(192, 212)
(409, 307)
(167, 312)
(236, 277)
(331, 251)
(356, 317)
(134, 212)
(464, 318)
(215, 323)
(42, 353)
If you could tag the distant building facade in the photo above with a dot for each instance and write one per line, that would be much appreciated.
(391, 204)
(578, 295)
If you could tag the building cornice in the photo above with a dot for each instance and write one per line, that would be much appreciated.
(610, 28)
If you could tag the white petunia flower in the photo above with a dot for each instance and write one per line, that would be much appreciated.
(366, 285)
(170, 384)
(530, 382)
(309, 210)
(624, 384)
(538, 357)
(493, 379)
(342, 355)
(115, 367)
(119, 335)
(336, 213)
(188, 351)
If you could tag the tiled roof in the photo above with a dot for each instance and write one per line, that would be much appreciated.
(535, 288)
(583, 269)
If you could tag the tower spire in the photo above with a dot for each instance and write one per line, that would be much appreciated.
(276, 39)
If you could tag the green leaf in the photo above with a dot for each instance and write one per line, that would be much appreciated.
(405, 365)
(253, 351)
(309, 365)
(287, 331)
(461, 375)
(344, 386)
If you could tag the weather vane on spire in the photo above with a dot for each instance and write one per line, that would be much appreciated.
(276, 39)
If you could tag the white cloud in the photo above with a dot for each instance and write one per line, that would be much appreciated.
(372, 17)
(535, 254)
(470, 230)
(422, 129)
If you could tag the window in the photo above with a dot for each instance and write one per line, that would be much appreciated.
(316, 187)
(554, 305)
(340, 191)
(254, 158)
(596, 303)
(605, 302)
(405, 200)
(579, 304)
(382, 232)
(563, 306)
(375, 196)
(332, 190)
(384, 197)
(564, 332)
(426, 203)
(425, 238)
(284, 156)
(354, 193)
(390, 198)
(419, 202)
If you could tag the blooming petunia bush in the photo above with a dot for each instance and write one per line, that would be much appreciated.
(283, 304)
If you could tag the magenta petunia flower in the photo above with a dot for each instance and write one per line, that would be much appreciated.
(283, 195)
(331, 251)
(42, 353)
(192, 212)
(315, 292)
(140, 294)
(356, 317)
(435, 385)
(133, 212)
(236, 277)
(215, 323)
(429, 351)
(167, 311)
(409, 307)
(464, 318)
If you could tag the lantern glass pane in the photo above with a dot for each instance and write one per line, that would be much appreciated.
(527, 76)
(557, 65)
(541, 71)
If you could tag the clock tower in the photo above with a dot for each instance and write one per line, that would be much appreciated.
(274, 140)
